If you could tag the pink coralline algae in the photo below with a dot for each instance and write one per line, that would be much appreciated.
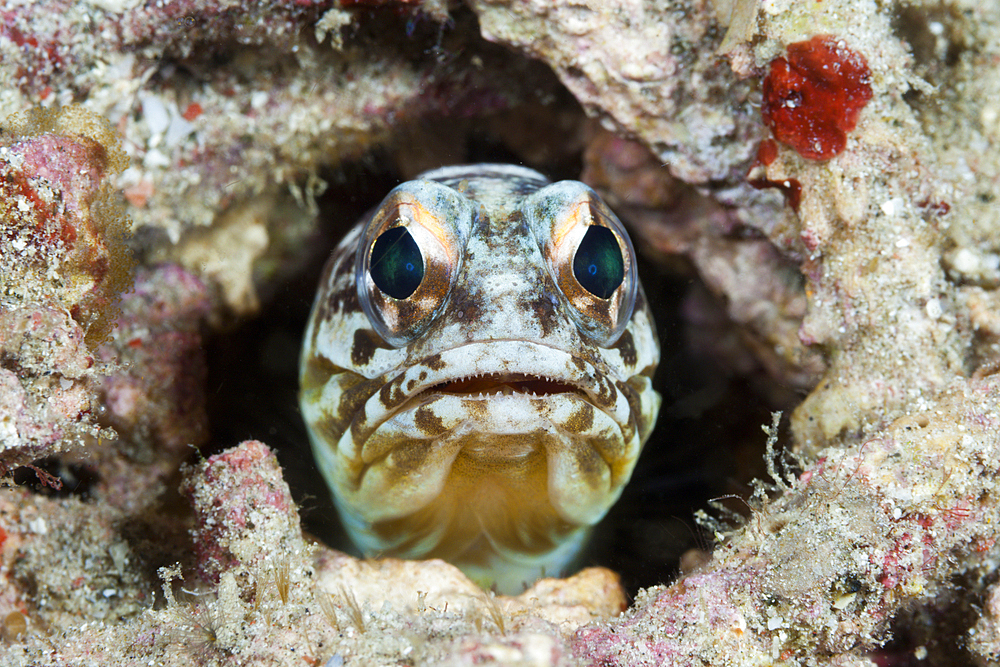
(37, 408)
(39, 58)
(157, 399)
(275, 599)
(64, 227)
(240, 498)
(813, 98)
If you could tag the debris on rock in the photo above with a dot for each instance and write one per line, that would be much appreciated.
(821, 570)
(256, 588)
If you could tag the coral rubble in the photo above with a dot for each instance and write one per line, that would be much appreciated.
(821, 570)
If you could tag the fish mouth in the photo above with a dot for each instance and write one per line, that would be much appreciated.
(506, 390)
(490, 369)
(490, 384)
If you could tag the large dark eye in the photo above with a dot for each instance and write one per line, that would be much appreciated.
(408, 257)
(396, 264)
(589, 256)
(598, 265)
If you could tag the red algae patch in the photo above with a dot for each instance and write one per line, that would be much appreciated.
(813, 98)
(767, 153)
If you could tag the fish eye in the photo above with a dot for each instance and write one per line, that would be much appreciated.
(408, 258)
(397, 268)
(589, 257)
(598, 264)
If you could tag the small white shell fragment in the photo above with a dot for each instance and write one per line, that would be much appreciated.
(933, 309)
(844, 600)
(892, 206)
(155, 113)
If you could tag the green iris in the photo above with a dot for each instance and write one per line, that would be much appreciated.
(396, 265)
(598, 265)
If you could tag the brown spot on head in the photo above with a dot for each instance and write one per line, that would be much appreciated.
(546, 309)
(516, 220)
(626, 347)
(348, 302)
(624, 387)
(366, 341)
(640, 300)
(352, 401)
(407, 457)
(338, 301)
(634, 389)
(482, 223)
(590, 464)
(605, 392)
(465, 306)
(434, 362)
(428, 422)
(358, 432)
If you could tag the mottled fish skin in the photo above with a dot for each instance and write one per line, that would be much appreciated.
(493, 416)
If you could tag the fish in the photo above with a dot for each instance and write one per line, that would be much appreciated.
(476, 373)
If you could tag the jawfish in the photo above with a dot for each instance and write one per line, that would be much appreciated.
(476, 372)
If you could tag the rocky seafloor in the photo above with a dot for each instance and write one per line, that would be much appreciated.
(812, 186)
